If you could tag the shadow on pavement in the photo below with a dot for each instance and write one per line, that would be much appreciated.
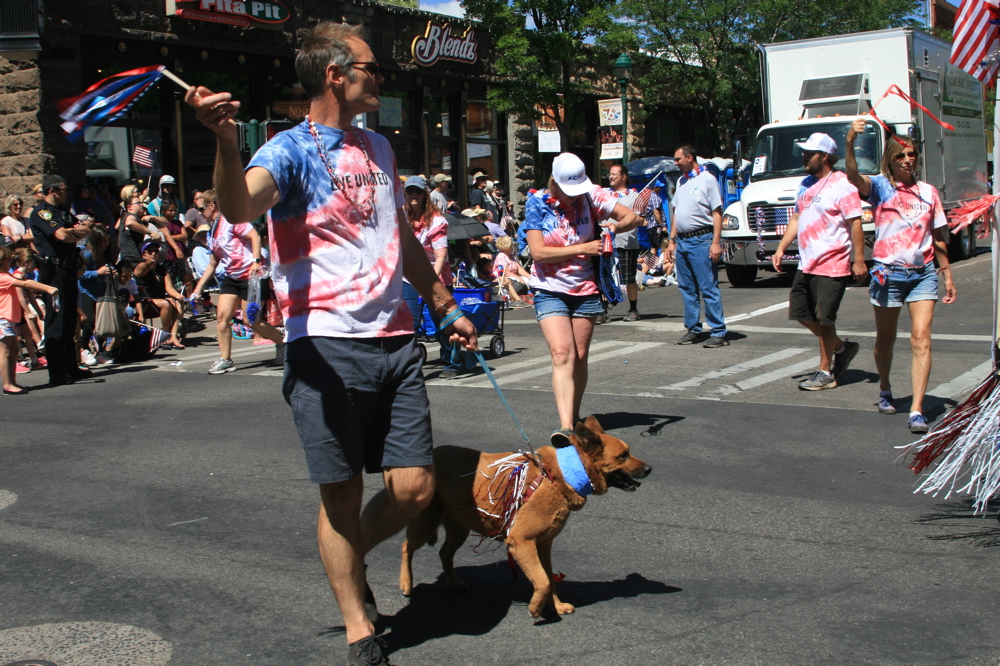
(434, 612)
(655, 422)
(986, 536)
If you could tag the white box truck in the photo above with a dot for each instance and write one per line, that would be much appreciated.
(823, 85)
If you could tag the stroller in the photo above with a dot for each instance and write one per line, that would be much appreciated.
(482, 311)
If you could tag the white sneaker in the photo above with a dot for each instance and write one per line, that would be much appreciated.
(222, 366)
(88, 357)
(104, 359)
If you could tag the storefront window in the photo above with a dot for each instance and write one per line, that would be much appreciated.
(439, 116)
(395, 116)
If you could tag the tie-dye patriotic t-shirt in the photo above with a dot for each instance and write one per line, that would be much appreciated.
(435, 237)
(337, 268)
(824, 206)
(228, 242)
(562, 227)
(905, 218)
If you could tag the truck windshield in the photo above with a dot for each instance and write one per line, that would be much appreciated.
(777, 156)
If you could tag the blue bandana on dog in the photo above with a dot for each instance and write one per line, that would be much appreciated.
(573, 470)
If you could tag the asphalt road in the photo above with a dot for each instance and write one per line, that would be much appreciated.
(159, 515)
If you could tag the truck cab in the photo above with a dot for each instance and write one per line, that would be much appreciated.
(753, 226)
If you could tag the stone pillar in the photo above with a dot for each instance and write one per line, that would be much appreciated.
(22, 161)
(31, 141)
(523, 149)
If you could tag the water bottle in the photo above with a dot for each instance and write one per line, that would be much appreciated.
(461, 274)
(193, 303)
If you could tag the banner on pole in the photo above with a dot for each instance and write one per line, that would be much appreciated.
(610, 111)
(611, 143)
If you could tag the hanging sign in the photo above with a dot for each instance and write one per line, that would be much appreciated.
(438, 43)
(609, 111)
(230, 12)
(549, 142)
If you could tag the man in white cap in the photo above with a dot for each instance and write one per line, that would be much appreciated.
(167, 187)
(439, 196)
(827, 223)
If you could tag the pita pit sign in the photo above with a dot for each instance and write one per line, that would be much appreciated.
(438, 43)
(231, 12)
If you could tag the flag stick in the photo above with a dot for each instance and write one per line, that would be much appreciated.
(176, 79)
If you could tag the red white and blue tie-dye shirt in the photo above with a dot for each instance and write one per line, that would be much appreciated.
(825, 207)
(435, 237)
(228, 242)
(562, 227)
(905, 218)
(337, 268)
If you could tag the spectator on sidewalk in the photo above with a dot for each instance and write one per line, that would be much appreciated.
(160, 291)
(10, 314)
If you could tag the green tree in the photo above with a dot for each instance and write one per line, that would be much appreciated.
(706, 50)
(542, 64)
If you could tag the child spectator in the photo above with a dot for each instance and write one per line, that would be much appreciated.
(93, 284)
(10, 314)
(128, 289)
(32, 314)
(509, 274)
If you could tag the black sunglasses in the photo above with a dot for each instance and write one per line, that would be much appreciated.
(415, 190)
(370, 67)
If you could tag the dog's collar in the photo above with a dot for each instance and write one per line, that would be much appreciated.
(573, 470)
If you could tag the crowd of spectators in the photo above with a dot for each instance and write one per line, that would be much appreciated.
(148, 252)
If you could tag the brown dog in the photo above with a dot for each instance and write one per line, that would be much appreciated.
(468, 497)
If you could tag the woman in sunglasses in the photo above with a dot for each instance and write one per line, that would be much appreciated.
(13, 225)
(431, 229)
(909, 235)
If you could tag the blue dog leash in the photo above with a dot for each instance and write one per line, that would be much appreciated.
(486, 368)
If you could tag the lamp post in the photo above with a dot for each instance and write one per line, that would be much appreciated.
(623, 72)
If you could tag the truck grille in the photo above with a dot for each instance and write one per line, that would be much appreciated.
(768, 219)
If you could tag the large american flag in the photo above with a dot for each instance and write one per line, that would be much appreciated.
(143, 157)
(976, 38)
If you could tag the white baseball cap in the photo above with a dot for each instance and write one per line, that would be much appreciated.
(571, 175)
(821, 142)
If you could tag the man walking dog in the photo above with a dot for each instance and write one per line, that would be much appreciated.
(340, 246)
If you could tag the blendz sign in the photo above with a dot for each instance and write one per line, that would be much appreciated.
(437, 43)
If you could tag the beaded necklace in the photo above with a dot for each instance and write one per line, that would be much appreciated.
(336, 182)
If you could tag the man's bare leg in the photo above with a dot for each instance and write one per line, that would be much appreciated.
(346, 535)
(829, 342)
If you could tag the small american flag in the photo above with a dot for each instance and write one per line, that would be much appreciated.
(641, 201)
(976, 38)
(143, 157)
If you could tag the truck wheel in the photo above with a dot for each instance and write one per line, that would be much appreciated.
(963, 244)
(741, 276)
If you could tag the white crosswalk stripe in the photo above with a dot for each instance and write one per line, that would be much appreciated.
(958, 386)
(734, 369)
(544, 364)
(767, 377)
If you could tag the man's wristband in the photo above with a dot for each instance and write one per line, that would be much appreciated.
(451, 318)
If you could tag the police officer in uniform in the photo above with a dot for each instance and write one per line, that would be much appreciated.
(56, 235)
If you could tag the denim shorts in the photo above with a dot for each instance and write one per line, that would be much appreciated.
(551, 304)
(904, 285)
(358, 403)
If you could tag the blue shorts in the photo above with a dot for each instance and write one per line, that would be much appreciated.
(904, 285)
(358, 403)
(551, 304)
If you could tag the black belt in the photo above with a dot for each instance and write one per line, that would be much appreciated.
(698, 232)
